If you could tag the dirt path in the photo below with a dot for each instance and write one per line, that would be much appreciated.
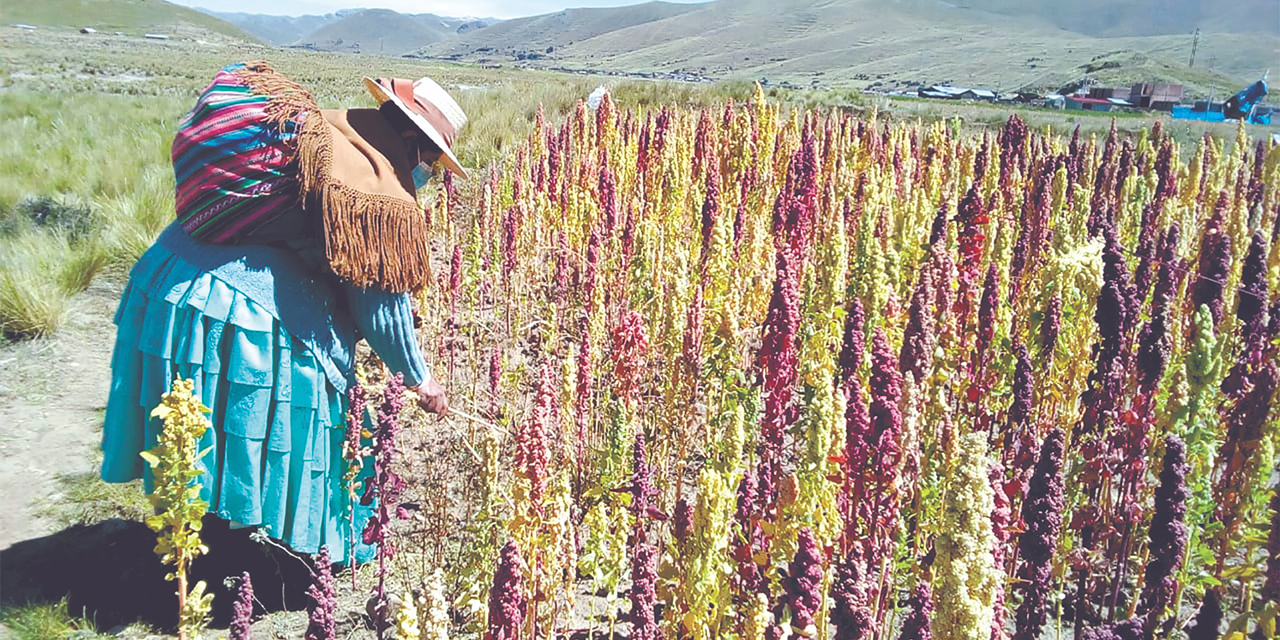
(52, 394)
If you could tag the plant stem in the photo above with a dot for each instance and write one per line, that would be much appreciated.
(182, 601)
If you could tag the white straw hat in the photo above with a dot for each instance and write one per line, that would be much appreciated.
(429, 107)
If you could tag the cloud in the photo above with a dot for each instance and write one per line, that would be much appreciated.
(451, 8)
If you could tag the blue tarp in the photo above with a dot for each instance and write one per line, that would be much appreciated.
(1240, 106)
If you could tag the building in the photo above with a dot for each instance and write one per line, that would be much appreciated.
(1105, 93)
(945, 92)
(979, 94)
(1161, 96)
(1087, 103)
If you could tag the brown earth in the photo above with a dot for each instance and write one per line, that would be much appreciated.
(52, 394)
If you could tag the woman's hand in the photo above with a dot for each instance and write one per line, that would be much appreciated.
(432, 397)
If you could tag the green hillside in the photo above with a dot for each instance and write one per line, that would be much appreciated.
(130, 16)
(380, 31)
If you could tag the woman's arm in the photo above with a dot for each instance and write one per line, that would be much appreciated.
(386, 320)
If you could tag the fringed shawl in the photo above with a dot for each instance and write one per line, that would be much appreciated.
(351, 170)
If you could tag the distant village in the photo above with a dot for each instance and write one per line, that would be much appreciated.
(1142, 96)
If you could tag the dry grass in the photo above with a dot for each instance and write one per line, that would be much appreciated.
(85, 500)
(83, 184)
(33, 302)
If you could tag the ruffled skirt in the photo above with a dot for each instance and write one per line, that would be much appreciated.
(275, 446)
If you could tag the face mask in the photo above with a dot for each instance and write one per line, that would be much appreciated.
(421, 174)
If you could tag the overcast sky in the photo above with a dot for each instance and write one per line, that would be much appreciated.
(450, 8)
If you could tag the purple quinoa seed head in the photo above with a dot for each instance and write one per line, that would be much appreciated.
(242, 611)
(1208, 618)
(918, 623)
(1126, 630)
(507, 604)
(682, 520)
(321, 624)
(1214, 265)
(1154, 350)
(1042, 521)
(850, 614)
(1168, 532)
(643, 592)
(803, 583)
(1253, 281)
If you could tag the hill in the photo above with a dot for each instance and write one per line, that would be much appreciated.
(883, 44)
(130, 16)
(386, 31)
(533, 36)
(373, 30)
(1142, 17)
(278, 30)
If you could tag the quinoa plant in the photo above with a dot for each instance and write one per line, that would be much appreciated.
(507, 599)
(242, 611)
(323, 599)
(1042, 522)
(385, 487)
(175, 467)
(966, 578)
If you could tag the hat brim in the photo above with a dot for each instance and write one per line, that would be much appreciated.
(447, 158)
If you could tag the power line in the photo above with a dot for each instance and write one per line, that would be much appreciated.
(1195, 42)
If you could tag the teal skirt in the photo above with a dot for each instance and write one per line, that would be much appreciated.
(275, 446)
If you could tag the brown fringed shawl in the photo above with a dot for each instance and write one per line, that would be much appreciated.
(354, 172)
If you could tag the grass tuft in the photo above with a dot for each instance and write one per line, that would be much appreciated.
(87, 500)
(60, 214)
(33, 301)
(46, 621)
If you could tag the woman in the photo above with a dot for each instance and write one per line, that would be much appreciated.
(298, 233)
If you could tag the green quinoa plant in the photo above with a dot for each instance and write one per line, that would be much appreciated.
(175, 464)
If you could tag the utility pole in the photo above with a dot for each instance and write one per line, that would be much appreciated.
(1195, 42)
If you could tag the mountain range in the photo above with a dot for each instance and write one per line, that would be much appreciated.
(864, 44)
(887, 44)
(369, 30)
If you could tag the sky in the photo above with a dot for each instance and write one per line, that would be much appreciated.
(449, 8)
